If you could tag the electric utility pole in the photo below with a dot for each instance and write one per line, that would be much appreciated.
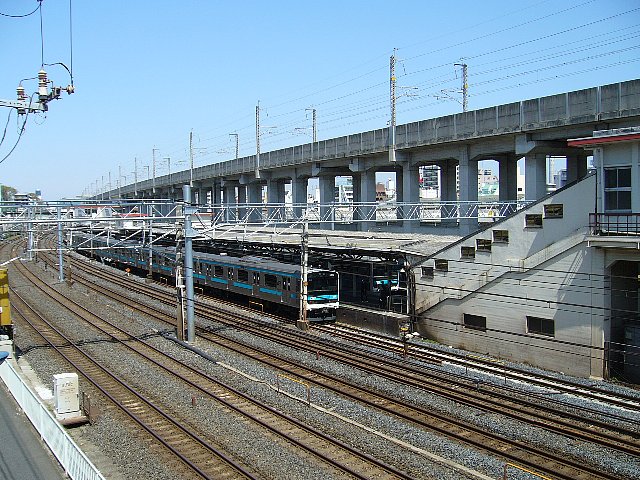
(191, 158)
(465, 85)
(257, 166)
(392, 124)
(153, 155)
(237, 143)
(314, 125)
(303, 323)
(135, 176)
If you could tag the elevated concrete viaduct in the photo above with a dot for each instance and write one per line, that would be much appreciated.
(529, 129)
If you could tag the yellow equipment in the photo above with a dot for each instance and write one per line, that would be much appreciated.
(5, 310)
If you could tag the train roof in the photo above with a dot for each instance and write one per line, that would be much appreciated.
(261, 263)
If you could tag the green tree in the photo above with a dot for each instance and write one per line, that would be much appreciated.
(7, 193)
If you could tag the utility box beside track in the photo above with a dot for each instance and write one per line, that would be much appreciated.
(66, 395)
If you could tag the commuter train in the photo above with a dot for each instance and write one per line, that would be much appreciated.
(256, 281)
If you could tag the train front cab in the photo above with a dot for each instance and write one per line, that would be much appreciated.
(322, 296)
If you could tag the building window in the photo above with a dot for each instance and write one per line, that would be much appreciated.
(475, 321)
(553, 210)
(617, 189)
(541, 326)
(468, 252)
(427, 272)
(442, 265)
(501, 236)
(533, 220)
(483, 245)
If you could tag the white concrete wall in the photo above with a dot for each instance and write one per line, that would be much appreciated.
(547, 272)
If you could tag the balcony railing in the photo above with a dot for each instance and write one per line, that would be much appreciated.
(615, 223)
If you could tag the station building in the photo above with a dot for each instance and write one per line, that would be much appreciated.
(554, 285)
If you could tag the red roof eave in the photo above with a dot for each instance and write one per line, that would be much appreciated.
(582, 142)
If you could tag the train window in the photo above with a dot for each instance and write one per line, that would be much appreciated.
(229, 272)
(541, 326)
(218, 271)
(297, 285)
(208, 270)
(270, 280)
(256, 278)
(286, 283)
(243, 276)
(475, 321)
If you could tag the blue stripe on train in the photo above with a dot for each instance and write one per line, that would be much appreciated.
(272, 292)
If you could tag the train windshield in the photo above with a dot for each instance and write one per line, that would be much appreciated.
(323, 286)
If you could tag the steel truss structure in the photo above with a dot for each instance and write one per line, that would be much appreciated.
(218, 221)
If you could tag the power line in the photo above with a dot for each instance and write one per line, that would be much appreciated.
(25, 15)
(333, 119)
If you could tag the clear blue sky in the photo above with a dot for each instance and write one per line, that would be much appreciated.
(147, 73)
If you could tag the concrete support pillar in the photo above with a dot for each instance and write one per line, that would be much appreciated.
(216, 202)
(468, 190)
(535, 176)
(275, 197)
(327, 184)
(576, 167)
(242, 201)
(448, 184)
(230, 202)
(508, 179)
(408, 191)
(216, 194)
(254, 192)
(368, 199)
(356, 181)
(299, 196)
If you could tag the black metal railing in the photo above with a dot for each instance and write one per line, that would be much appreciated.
(615, 223)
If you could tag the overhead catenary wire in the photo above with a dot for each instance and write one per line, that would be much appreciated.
(20, 131)
(24, 15)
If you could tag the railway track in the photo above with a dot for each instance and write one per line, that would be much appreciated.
(485, 365)
(345, 459)
(522, 454)
(197, 457)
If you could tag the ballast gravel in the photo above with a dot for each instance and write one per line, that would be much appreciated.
(120, 449)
